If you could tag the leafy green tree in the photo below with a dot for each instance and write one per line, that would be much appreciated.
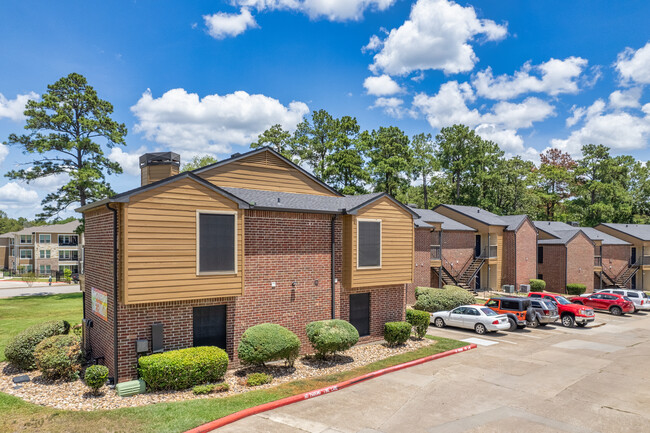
(314, 140)
(64, 127)
(345, 168)
(198, 162)
(278, 139)
(554, 182)
(510, 192)
(457, 147)
(640, 193)
(389, 159)
(424, 163)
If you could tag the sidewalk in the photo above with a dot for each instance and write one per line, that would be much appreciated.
(11, 288)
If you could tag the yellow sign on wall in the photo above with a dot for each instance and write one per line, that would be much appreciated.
(99, 303)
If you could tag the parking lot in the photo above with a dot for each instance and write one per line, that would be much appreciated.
(592, 379)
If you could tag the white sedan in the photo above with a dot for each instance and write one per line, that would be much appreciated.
(477, 317)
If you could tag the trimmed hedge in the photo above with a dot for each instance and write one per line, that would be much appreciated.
(184, 368)
(20, 350)
(420, 321)
(331, 336)
(447, 298)
(537, 285)
(268, 342)
(257, 379)
(397, 332)
(59, 357)
(95, 377)
(576, 289)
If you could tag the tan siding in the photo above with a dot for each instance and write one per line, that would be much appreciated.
(264, 171)
(397, 246)
(160, 245)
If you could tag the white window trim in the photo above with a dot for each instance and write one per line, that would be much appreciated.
(198, 239)
(25, 258)
(20, 241)
(70, 236)
(44, 255)
(381, 239)
(49, 236)
(63, 250)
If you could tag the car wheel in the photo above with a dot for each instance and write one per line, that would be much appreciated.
(581, 325)
(439, 322)
(513, 324)
(567, 321)
(534, 323)
(616, 311)
(480, 329)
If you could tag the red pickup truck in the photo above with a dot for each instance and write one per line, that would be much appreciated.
(570, 313)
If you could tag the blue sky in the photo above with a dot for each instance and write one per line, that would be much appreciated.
(207, 77)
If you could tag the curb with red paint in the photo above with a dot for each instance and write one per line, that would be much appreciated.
(213, 425)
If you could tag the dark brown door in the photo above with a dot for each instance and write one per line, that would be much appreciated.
(360, 312)
(210, 326)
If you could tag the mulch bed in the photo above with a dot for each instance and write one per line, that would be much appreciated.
(74, 395)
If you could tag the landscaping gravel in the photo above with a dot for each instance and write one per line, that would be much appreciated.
(75, 395)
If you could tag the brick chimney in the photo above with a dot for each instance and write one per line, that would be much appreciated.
(156, 166)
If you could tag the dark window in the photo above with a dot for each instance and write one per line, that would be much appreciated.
(537, 304)
(216, 242)
(632, 295)
(210, 326)
(472, 312)
(360, 312)
(540, 255)
(510, 305)
(488, 312)
(369, 243)
(540, 277)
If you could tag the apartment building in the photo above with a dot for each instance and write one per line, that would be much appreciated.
(45, 249)
(196, 258)
(636, 273)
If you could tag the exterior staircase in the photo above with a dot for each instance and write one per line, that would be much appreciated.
(447, 278)
(465, 278)
(621, 279)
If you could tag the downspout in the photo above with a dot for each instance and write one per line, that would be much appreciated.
(332, 265)
(115, 364)
(515, 240)
(566, 266)
(441, 263)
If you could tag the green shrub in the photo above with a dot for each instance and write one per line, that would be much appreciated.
(397, 332)
(184, 368)
(537, 285)
(95, 377)
(268, 342)
(203, 389)
(575, 289)
(447, 298)
(419, 320)
(59, 357)
(257, 379)
(331, 336)
(20, 350)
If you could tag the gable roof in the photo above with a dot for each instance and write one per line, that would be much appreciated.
(514, 221)
(447, 224)
(476, 213)
(639, 231)
(607, 239)
(563, 237)
(553, 227)
(69, 227)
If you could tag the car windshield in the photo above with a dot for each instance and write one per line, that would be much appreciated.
(562, 300)
(488, 312)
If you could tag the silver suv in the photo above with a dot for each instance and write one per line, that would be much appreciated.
(639, 298)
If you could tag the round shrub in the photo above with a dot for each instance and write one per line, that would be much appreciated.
(447, 298)
(419, 320)
(257, 379)
(20, 350)
(268, 342)
(331, 336)
(95, 377)
(59, 357)
(396, 332)
(184, 368)
(575, 289)
(537, 285)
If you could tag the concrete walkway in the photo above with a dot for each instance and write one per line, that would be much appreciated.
(11, 288)
(550, 379)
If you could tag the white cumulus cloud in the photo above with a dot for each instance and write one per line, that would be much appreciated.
(625, 98)
(333, 10)
(222, 25)
(4, 151)
(182, 121)
(382, 85)
(130, 162)
(634, 65)
(391, 106)
(13, 108)
(13, 195)
(437, 35)
(552, 77)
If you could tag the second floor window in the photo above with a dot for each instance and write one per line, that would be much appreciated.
(68, 255)
(44, 239)
(216, 248)
(45, 254)
(369, 244)
(25, 239)
(68, 239)
(25, 254)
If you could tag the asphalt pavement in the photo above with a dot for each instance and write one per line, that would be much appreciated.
(11, 288)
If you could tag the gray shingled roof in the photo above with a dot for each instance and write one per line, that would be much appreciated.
(478, 214)
(639, 231)
(562, 237)
(51, 228)
(607, 239)
(513, 221)
(448, 224)
(552, 227)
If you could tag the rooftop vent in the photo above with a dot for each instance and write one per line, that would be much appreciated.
(235, 155)
(574, 223)
(412, 205)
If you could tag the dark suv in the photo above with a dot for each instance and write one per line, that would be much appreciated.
(518, 310)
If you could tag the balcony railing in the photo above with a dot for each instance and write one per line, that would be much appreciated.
(598, 261)
(435, 252)
(489, 252)
(70, 243)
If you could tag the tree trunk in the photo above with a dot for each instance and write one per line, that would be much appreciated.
(457, 189)
(424, 190)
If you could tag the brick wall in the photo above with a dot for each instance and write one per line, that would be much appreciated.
(553, 269)
(386, 305)
(457, 249)
(509, 258)
(580, 262)
(526, 259)
(422, 266)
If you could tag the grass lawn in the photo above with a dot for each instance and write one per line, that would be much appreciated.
(21, 312)
(181, 416)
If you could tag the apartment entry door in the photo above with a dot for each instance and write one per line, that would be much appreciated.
(360, 312)
(477, 251)
(210, 326)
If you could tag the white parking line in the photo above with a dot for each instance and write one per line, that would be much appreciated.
(480, 341)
